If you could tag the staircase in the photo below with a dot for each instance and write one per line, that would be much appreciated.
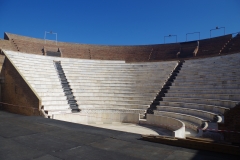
(66, 87)
(165, 88)
(15, 45)
(233, 45)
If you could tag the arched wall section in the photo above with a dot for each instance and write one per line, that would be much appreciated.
(137, 53)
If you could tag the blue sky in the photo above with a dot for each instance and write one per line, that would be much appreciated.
(119, 22)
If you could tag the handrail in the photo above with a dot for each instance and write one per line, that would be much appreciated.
(149, 58)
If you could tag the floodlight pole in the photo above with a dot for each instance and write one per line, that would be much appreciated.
(194, 33)
(170, 36)
(49, 33)
(216, 29)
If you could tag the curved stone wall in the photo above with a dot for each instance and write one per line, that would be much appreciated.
(176, 126)
(136, 53)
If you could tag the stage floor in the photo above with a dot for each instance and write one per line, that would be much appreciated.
(28, 137)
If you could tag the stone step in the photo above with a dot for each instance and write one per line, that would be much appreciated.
(113, 102)
(116, 81)
(97, 110)
(191, 125)
(56, 98)
(73, 106)
(50, 94)
(123, 76)
(114, 91)
(56, 107)
(68, 92)
(210, 68)
(203, 90)
(123, 66)
(71, 101)
(218, 102)
(205, 83)
(49, 90)
(118, 71)
(127, 79)
(34, 75)
(39, 74)
(224, 63)
(44, 82)
(115, 72)
(206, 107)
(211, 64)
(132, 85)
(101, 98)
(194, 112)
(64, 65)
(62, 111)
(112, 106)
(46, 86)
(234, 97)
(223, 86)
(185, 117)
(35, 68)
(59, 102)
(208, 71)
(106, 94)
(87, 89)
(207, 76)
(42, 79)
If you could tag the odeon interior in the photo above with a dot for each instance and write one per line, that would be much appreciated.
(189, 88)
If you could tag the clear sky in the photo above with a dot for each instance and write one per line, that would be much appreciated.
(119, 22)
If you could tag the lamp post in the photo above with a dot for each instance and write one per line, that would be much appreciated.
(216, 29)
(193, 33)
(49, 33)
(170, 36)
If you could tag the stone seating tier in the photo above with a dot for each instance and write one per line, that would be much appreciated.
(108, 87)
(207, 96)
(224, 58)
(118, 99)
(194, 72)
(190, 121)
(112, 106)
(198, 81)
(223, 86)
(211, 78)
(195, 112)
(211, 108)
(207, 91)
(101, 78)
(219, 102)
(210, 85)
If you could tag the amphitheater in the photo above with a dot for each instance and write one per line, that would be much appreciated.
(182, 90)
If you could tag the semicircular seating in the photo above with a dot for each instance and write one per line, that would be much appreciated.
(96, 84)
(203, 91)
(199, 96)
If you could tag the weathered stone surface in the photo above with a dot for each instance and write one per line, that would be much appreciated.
(40, 138)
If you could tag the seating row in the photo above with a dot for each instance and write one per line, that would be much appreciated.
(95, 84)
(204, 89)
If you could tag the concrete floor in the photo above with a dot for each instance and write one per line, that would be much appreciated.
(134, 128)
(140, 129)
(25, 137)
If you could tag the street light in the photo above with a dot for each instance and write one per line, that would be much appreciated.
(216, 29)
(194, 33)
(49, 33)
(170, 36)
